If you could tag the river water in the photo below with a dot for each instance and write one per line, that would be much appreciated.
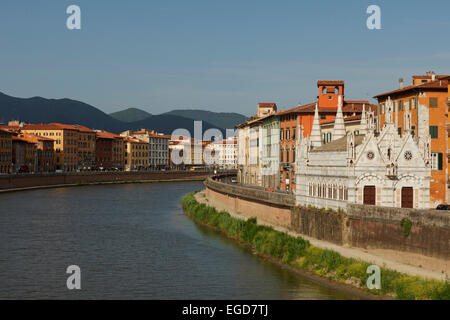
(131, 242)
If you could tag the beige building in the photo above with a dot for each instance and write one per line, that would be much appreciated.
(158, 154)
(250, 137)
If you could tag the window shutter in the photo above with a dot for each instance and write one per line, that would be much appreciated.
(439, 161)
(433, 102)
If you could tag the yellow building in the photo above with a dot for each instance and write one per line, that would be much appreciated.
(136, 154)
(66, 143)
(86, 146)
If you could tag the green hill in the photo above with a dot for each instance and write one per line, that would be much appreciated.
(130, 115)
(225, 120)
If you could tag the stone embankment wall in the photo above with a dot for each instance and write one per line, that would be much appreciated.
(361, 226)
(55, 179)
(272, 207)
(388, 228)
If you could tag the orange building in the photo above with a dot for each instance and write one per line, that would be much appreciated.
(45, 153)
(303, 115)
(86, 146)
(5, 151)
(431, 93)
(66, 143)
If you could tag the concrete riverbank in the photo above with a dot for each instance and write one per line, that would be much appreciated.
(9, 183)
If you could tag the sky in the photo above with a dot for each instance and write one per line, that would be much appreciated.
(223, 56)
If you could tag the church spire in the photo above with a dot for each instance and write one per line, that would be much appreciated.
(316, 135)
(339, 127)
(363, 126)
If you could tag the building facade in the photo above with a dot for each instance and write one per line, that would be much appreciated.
(5, 151)
(66, 143)
(136, 154)
(270, 162)
(426, 99)
(383, 169)
(158, 146)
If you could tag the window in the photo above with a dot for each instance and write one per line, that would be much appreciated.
(356, 132)
(413, 131)
(436, 161)
(287, 155)
(293, 133)
(323, 116)
(330, 97)
(434, 132)
(400, 105)
(433, 103)
(287, 134)
(399, 130)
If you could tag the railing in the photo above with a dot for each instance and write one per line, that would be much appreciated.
(251, 193)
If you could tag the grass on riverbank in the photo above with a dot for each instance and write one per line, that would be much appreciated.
(299, 253)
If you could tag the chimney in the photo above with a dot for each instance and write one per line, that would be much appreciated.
(400, 83)
(432, 75)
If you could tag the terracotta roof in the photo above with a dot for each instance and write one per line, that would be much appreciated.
(34, 138)
(330, 82)
(21, 139)
(338, 145)
(6, 130)
(267, 104)
(438, 76)
(109, 134)
(56, 126)
(350, 118)
(41, 126)
(82, 128)
(437, 84)
(134, 140)
(104, 135)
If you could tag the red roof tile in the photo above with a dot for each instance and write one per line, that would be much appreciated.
(437, 84)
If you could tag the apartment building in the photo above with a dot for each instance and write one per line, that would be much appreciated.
(250, 136)
(45, 152)
(65, 146)
(104, 150)
(86, 146)
(136, 154)
(24, 155)
(159, 156)
(424, 101)
(5, 151)
(223, 153)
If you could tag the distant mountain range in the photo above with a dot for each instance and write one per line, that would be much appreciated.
(42, 110)
(130, 115)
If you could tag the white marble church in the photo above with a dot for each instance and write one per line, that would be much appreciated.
(374, 168)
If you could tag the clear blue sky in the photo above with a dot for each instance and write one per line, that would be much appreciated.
(216, 55)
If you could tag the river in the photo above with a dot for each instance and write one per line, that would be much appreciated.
(131, 242)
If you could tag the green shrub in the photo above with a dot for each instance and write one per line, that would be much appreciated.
(406, 225)
(299, 252)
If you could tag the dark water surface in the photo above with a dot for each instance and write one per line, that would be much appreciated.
(131, 242)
